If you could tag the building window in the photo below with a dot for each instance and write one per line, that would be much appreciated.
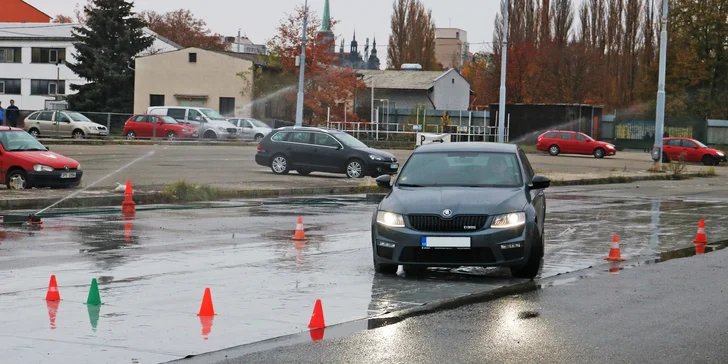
(48, 55)
(193, 57)
(227, 106)
(10, 55)
(47, 87)
(10, 86)
(156, 100)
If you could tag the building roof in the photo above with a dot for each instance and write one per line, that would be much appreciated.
(257, 59)
(19, 8)
(400, 80)
(59, 32)
(718, 123)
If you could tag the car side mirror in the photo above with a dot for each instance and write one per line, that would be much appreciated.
(540, 183)
(384, 181)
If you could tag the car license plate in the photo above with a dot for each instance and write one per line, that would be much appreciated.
(445, 242)
(395, 165)
(68, 175)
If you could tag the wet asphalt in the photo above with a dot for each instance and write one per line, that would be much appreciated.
(153, 269)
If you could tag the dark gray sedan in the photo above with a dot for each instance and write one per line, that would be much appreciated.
(462, 204)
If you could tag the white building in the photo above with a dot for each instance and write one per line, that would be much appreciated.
(30, 72)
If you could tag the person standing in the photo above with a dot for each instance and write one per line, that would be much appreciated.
(12, 114)
(2, 114)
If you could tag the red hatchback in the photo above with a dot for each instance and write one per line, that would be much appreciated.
(569, 142)
(150, 126)
(25, 163)
(691, 150)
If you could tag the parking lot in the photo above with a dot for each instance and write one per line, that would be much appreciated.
(153, 270)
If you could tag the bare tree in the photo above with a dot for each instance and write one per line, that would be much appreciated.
(412, 38)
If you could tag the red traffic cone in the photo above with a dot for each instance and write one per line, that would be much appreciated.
(299, 235)
(53, 294)
(317, 319)
(128, 205)
(614, 252)
(700, 237)
(206, 309)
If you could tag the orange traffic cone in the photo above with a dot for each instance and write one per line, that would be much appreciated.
(53, 294)
(700, 237)
(206, 309)
(317, 319)
(299, 235)
(614, 252)
(128, 205)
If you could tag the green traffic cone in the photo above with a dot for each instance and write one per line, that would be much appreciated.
(94, 297)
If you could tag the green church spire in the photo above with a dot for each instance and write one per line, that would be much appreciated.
(326, 21)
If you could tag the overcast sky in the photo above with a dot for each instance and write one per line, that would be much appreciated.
(258, 19)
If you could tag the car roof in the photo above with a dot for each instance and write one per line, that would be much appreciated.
(309, 128)
(468, 147)
(9, 128)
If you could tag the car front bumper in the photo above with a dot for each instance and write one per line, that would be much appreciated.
(488, 247)
(54, 179)
(379, 168)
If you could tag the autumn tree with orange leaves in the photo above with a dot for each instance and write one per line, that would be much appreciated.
(181, 27)
(326, 83)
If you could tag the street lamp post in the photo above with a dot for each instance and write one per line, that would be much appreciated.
(504, 54)
(299, 104)
(660, 117)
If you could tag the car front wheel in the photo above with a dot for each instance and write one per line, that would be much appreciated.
(709, 160)
(599, 153)
(17, 180)
(533, 265)
(355, 169)
(78, 134)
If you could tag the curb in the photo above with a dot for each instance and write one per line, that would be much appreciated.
(151, 198)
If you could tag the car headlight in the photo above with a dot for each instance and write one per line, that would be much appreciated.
(375, 157)
(79, 167)
(184, 130)
(507, 221)
(720, 154)
(42, 168)
(610, 146)
(390, 219)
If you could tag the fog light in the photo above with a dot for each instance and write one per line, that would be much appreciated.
(385, 244)
(511, 246)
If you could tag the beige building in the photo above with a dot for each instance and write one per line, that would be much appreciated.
(193, 77)
(451, 47)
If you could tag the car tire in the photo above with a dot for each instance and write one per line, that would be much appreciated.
(303, 172)
(708, 160)
(554, 150)
(209, 135)
(279, 164)
(414, 270)
(533, 265)
(34, 132)
(385, 268)
(599, 153)
(171, 135)
(355, 169)
(17, 179)
(78, 134)
(258, 138)
(130, 135)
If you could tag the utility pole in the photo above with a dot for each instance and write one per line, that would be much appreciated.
(504, 54)
(660, 117)
(299, 104)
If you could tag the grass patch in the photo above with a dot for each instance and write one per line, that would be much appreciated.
(190, 192)
(629, 179)
(528, 148)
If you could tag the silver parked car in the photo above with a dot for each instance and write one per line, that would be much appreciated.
(253, 129)
(209, 123)
(63, 124)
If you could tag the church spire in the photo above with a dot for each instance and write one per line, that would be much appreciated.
(326, 21)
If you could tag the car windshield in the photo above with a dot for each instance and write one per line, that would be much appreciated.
(212, 114)
(169, 120)
(18, 141)
(258, 123)
(462, 169)
(700, 144)
(77, 116)
(349, 140)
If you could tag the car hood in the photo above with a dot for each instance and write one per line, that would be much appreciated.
(89, 124)
(461, 200)
(378, 152)
(604, 144)
(714, 151)
(50, 159)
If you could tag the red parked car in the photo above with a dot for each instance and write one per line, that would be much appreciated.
(569, 142)
(148, 126)
(25, 163)
(692, 150)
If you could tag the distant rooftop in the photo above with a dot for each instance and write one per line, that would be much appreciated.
(400, 80)
(52, 31)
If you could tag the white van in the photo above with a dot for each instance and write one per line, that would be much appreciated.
(209, 123)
